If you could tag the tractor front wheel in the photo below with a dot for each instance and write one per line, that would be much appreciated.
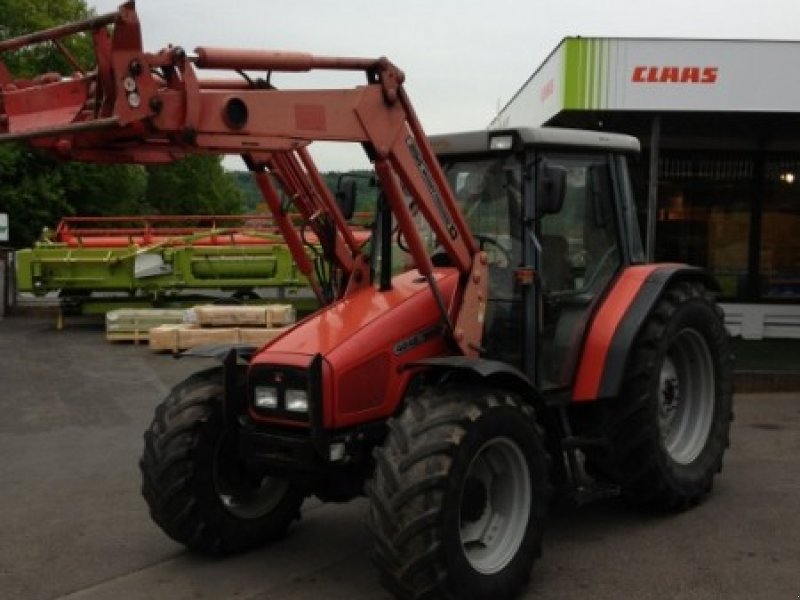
(459, 496)
(198, 491)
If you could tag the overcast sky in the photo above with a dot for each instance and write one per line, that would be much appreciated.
(463, 59)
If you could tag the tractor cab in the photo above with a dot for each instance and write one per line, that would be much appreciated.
(554, 212)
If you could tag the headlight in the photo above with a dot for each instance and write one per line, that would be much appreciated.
(280, 394)
(501, 142)
(296, 401)
(266, 396)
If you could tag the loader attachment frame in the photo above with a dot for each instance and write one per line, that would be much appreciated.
(148, 108)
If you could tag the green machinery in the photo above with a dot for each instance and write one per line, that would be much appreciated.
(99, 263)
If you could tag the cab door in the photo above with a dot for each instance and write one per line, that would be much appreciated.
(579, 253)
(489, 191)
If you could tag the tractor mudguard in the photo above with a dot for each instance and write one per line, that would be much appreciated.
(617, 322)
(498, 373)
(234, 359)
(221, 352)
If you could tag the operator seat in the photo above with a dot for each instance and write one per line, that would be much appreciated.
(555, 265)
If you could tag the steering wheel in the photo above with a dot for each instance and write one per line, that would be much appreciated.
(498, 256)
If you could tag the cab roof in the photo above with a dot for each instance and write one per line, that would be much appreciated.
(472, 142)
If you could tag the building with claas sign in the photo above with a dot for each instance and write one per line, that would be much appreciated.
(718, 181)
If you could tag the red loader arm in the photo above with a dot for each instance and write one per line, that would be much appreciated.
(139, 107)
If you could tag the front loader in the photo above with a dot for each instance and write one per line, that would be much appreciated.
(499, 338)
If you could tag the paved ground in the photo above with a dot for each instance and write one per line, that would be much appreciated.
(72, 523)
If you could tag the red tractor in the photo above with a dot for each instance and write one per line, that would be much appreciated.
(499, 338)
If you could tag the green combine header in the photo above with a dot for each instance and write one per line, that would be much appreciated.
(99, 263)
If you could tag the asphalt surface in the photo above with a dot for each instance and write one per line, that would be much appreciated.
(73, 524)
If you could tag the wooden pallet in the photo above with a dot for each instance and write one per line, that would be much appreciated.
(174, 338)
(269, 315)
(134, 324)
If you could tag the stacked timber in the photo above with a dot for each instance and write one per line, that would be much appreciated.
(213, 324)
(134, 324)
(269, 315)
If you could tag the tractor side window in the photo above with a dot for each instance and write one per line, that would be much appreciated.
(580, 254)
(579, 243)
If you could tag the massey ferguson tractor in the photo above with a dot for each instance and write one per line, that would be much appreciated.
(499, 340)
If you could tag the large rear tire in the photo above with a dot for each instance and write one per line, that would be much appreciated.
(197, 490)
(669, 428)
(459, 496)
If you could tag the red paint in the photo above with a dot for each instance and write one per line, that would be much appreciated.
(310, 117)
(180, 230)
(602, 329)
(675, 74)
(547, 90)
(145, 108)
(357, 338)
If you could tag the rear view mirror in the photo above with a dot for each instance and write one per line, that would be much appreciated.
(551, 185)
(346, 197)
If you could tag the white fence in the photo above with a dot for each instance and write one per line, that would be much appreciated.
(758, 321)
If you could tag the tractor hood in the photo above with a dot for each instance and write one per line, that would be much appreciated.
(368, 321)
(363, 345)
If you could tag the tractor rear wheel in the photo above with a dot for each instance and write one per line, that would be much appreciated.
(669, 428)
(458, 502)
(198, 491)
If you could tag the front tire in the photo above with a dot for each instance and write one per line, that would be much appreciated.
(198, 491)
(669, 428)
(458, 502)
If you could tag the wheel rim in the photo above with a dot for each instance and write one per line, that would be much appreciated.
(686, 396)
(243, 496)
(495, 505)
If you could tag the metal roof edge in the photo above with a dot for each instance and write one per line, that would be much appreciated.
(568, 38)
(529, 79)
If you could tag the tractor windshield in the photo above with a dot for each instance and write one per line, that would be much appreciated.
(489, 193)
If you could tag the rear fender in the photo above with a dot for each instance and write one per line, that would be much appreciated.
(617, 323)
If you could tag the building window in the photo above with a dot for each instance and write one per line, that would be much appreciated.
(704, 206)
(780, 230)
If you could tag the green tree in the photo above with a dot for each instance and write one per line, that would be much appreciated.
(196, 185)
(18, 17)
(30, 193)
(104, 189)
(252, 199)
(35, 189)
(366, 187)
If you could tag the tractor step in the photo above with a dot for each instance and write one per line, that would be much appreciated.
(576, 442)
(594, 492)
